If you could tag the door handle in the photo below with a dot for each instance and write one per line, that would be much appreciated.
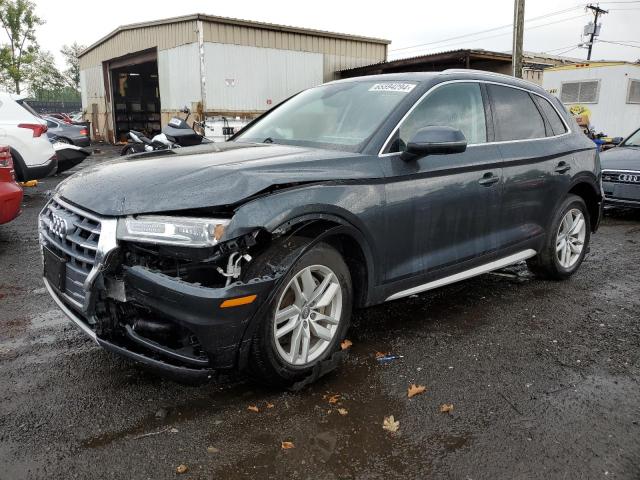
(562, 167)
(488, 179)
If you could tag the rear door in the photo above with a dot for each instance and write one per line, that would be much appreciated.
(536, 165)
(442, 210)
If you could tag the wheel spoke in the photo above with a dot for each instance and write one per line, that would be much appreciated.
(574, 248)
(300, 298)
(560, 245)
(287, 327)
(320, 331)
(328, 295)
(295, 343)
(287, 313)
(321, 288)
(306, 340)
(308, 283)
(577, 227)
(319, 317)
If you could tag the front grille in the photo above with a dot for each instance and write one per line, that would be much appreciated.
(621, 177)
(73, 235)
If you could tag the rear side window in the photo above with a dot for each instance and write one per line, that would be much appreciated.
(51, 124)
(557, 126)
(515, 115)
(457, 105)
(27, 107)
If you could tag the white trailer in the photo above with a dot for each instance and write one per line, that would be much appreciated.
(607, 94)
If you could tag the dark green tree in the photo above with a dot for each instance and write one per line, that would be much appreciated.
(19, 21)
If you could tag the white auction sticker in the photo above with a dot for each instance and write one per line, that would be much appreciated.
(393, 87)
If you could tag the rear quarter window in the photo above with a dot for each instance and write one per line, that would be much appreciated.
(557, 125)
(515, 115)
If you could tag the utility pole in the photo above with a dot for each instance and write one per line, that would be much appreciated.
(518, 35)
(595, 31)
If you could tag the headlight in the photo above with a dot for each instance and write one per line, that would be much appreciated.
(181, 231)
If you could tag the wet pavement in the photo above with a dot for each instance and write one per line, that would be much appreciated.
(543, 376)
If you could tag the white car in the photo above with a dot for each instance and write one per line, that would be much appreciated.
(24, 131)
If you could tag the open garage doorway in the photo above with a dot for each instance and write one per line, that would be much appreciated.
(136, 95)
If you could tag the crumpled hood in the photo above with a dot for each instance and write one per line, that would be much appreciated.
(621, 158)
(209, 175)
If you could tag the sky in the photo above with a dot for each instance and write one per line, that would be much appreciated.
(410, 25)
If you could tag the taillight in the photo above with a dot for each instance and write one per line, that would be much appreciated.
(84, 131)
(38, 128)
(6, 161)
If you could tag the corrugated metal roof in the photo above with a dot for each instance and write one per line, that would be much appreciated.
(236, 22)
(474, 52)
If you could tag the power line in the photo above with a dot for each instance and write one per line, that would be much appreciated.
(448, 45)
(559, 12)
(619, 43)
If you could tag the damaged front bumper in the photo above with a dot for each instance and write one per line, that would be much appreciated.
(170, 323)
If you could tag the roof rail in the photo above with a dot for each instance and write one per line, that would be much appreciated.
(485, 72)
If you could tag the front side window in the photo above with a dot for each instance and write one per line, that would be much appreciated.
(580, 92)
(341, 115)
(457, 105)
(515, 115)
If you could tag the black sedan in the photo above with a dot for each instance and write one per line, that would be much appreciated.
(65, 133)
(621, 173)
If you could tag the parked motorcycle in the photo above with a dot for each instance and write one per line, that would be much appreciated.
(176, 134)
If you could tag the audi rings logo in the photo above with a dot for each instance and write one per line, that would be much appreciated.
(59, 225)
(629, 177)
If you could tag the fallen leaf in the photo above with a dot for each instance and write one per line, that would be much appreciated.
(381, 354)
(446, 408)
(182, 469)
(390, 424)
(333, 399)
(346, 344)
(287, 445)
(343, 411)
(270, 405)
(253, 408)
(414, 390)
(212, 450)
(174, 430)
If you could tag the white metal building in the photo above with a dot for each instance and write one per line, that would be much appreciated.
(140, 75)
(607, 94)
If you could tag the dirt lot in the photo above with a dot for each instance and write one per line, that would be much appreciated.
(544, 380)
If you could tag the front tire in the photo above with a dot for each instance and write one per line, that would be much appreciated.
(566, 243)
(307, 318)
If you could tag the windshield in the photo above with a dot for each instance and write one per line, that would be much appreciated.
(633, 140)
(341, 115)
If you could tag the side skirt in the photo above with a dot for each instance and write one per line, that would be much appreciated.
(488, 267)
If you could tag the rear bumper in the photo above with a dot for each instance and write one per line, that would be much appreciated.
(81, 141)
(10, 200)
(26, 172)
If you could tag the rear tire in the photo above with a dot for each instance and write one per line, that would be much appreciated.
(303, 325)
(566, 242)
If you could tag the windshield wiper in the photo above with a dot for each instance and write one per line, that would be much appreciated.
(267, 140)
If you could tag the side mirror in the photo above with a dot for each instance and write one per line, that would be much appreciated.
(435, 140)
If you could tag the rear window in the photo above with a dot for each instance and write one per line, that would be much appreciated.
(515, 115)
(556, 123)
(27, 107)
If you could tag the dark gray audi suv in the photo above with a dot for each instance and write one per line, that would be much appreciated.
(252, 254)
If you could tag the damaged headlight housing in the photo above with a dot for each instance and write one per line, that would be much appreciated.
(179, 231)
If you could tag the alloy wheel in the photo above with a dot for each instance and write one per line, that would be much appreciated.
(308, 315)
(570, 238)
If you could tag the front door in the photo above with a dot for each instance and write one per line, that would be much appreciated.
(452, 202)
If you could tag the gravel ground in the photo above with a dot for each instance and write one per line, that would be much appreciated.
(543, 378)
